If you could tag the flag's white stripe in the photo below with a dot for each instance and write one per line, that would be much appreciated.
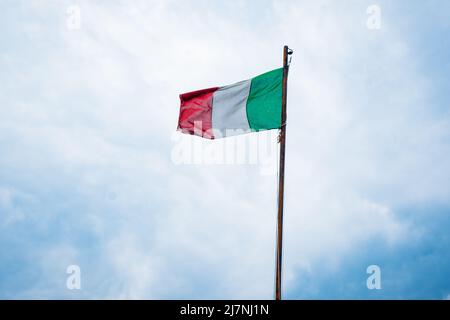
(230, 108)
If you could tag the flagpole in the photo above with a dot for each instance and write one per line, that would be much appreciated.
(282, 141)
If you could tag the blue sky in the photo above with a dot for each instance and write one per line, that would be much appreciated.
(87, 133)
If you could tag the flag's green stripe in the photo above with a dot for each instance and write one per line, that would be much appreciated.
(264, 101)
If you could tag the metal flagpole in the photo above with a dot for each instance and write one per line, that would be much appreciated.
(282, 141)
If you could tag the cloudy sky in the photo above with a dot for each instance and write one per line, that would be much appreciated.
(89, 174)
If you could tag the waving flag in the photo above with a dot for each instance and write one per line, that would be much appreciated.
(250, 105)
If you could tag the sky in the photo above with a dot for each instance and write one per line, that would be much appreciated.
(90, 172)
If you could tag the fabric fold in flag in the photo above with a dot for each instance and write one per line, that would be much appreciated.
(246, 106)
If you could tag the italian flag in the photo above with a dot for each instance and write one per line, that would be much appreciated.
(246, 106)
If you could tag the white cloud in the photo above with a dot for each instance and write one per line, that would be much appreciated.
(11, 212)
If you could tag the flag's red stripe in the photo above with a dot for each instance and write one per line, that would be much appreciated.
(196, 107)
